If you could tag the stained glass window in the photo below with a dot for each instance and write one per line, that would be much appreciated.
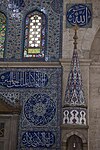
(35, 35)
(2, 33)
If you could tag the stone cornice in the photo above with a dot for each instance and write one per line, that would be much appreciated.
(29, 64)
(95, 64)
(65, 127)
(83, 62)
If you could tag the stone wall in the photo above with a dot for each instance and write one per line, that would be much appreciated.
(89, 51)
(85, 35)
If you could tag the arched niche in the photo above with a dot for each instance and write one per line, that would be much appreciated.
(9, 116)
(95, 48)
(74, 138)
(74, 142)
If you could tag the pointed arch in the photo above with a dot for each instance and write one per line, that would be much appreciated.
(81, 138)
(66, 136)
(74, 142)
(35, 36)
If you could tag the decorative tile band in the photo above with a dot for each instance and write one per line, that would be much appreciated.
(74, 116)
(9, 97)
(74, 94)
(21, 79)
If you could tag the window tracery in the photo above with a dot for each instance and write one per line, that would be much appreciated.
(35, 34)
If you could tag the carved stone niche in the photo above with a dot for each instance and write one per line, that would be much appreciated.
(9, 116)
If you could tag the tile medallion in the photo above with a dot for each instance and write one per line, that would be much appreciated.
(79, 14)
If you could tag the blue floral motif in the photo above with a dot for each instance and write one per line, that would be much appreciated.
(16, 4)
(57, 6)
(74, 94)
(44, 139)
(39, 109)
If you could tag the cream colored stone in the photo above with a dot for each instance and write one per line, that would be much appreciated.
(90, 74)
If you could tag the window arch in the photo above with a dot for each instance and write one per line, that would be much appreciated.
(2, 34)
(35, 36)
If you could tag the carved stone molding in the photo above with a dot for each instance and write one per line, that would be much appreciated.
(8, 109)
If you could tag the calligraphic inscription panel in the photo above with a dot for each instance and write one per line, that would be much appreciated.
(36, 139)
(23, 79)
(79, 14)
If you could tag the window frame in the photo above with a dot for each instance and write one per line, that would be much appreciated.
(38, 59)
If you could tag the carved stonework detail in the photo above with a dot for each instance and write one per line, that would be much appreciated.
(7, 108)
(74, 116)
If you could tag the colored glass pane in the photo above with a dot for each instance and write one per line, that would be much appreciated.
(2, 33)
(34, 43)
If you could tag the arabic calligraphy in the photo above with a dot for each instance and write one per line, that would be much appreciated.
(39, 109)
(44, 139)
(20, 79)
(79, 14)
